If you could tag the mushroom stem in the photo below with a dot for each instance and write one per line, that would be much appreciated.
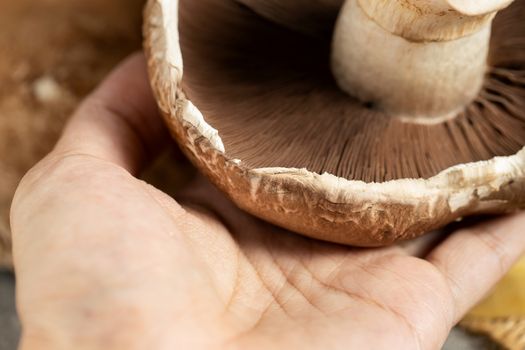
(420, 60)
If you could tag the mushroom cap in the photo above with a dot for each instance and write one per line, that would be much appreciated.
(339, 208)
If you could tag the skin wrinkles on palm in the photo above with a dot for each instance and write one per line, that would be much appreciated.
(299, 280)
(296, 282)
(126, 266)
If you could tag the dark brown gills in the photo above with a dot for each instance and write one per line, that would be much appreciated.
(270, 94)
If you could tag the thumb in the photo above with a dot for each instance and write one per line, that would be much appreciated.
(119, 122)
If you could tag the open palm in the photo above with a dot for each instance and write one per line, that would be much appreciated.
(104, 260)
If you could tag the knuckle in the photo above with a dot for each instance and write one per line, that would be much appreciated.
(55, 171)
(49, 168)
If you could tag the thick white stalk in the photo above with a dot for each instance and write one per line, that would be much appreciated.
(421, 60)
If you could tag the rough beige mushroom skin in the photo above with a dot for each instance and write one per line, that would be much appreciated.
(321, 205)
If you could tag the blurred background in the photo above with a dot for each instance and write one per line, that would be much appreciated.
(52, 54)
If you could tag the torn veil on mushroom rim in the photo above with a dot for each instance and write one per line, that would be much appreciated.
(258, 111)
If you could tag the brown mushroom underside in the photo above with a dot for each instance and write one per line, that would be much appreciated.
(320, 206)
(269, 92)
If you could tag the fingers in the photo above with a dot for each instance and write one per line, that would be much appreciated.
(119, 122)
(474, 259)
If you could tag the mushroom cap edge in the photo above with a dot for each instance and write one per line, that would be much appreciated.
(323, 206)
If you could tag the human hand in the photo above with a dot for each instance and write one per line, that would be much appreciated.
(105, 261)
